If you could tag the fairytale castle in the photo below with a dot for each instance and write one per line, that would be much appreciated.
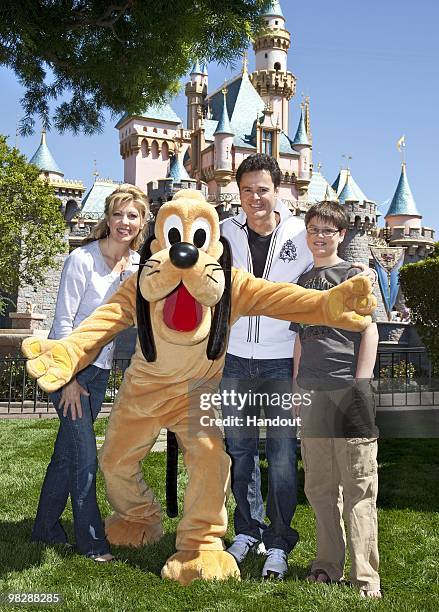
(249, 113)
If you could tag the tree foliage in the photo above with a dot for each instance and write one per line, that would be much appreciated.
(419, 283)
(118, 54)
(31, 224)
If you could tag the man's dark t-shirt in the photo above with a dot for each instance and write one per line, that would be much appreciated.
(259, 246)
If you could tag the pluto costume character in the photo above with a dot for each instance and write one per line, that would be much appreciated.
(183, 300)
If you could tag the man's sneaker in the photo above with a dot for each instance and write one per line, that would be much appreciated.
(242, 545)
(276, 565)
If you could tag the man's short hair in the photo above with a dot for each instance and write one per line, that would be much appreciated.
(260, 161)
(328, 212)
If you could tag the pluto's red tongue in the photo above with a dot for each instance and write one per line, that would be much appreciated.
(181, 311)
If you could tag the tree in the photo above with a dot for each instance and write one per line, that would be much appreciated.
(31, 224)
(421, 293)
(119, 55)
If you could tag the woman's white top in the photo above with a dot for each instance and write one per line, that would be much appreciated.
(86, 283)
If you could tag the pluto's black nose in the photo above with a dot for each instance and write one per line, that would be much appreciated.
(183, 254)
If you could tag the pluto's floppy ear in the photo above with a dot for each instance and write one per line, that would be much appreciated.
(144, 326)
(221, 319)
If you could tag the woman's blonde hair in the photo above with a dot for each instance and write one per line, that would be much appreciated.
(124, 194)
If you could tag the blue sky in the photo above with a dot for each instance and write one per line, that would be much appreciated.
(371, 71)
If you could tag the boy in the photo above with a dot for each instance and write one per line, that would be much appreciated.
(339, 438)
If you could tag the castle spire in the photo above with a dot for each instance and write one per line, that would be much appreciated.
(403, 202)
(274, 10)
(272, 80)
(224, 126)
(301, 137)
(43, 158)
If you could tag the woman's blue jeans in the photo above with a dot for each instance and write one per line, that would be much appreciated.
(265, 375)
(72, 470)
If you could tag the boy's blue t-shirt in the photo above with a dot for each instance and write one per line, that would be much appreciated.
(329, 355)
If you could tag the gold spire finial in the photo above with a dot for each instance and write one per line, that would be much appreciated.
(347, 158)
(319, 166)
(245, 63)
(43, 136)
(401, 148)
(224, 90)
(308, 119)
(95, 170)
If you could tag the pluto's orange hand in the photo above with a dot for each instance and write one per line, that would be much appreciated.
(49, 362)
(347, 304)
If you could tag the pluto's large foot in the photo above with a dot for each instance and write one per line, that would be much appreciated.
(126, 533)
(188, 565)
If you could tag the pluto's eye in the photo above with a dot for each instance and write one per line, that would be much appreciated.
(201, 233)
(174, 235)
(173, 230)
(200, 237)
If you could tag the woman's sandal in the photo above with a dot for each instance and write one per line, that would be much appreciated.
(315, 576)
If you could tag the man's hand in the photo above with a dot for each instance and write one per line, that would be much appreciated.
(71, 398)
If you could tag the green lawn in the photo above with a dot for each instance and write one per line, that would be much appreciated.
(409, 542)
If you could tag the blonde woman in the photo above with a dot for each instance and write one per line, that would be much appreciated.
(91, 274)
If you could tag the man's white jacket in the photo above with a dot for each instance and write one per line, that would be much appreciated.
(288, 257)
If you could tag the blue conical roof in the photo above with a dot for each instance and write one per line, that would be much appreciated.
(196, 68)
(43, 159)
(224, 126)
(348, 193)
(177, 171)
(301, 137)
(403, 202)
(274, 10)
(340, 182)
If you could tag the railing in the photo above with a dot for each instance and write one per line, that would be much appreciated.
(21, 396)
(403, 377)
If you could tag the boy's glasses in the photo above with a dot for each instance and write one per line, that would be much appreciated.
(327, 232)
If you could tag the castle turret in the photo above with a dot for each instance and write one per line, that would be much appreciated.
(43, 159)
(362, 217)
(302, 144)
(223, 137)
(196, 92)
(272, 79)
(404, 223)
(68, 191)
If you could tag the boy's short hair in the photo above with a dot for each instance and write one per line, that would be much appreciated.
(260, 161)
(330, 212)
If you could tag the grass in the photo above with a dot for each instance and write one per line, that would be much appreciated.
(408, 525)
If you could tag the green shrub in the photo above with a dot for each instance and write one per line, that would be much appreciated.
(420, 285)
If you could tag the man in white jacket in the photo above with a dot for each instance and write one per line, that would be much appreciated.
(268, 241)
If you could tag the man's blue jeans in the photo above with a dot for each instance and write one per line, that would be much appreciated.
(280, 450)
(72, 470)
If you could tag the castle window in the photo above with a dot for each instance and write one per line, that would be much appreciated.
(267, 142)
(276, 22)
(277, 66)
(266, 55)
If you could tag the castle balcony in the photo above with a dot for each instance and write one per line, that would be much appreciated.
(278, 38)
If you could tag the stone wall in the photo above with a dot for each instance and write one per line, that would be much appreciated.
(43, 297)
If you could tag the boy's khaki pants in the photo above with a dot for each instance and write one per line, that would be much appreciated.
(341, 481)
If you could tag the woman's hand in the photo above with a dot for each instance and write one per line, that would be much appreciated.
(71, 398)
